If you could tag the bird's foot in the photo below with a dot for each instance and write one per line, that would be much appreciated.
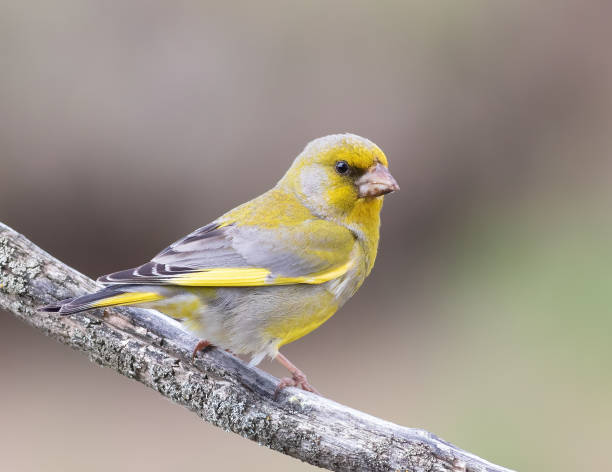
(298, 379)
(201, 346)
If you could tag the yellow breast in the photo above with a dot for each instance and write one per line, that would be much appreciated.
(293, 326)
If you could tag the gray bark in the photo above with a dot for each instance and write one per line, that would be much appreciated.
(153, 350)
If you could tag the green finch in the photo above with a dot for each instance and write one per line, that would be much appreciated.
(273, 269)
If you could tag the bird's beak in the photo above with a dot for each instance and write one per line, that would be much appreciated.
(376, 181)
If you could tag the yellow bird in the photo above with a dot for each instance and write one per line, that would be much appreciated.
(275, 268)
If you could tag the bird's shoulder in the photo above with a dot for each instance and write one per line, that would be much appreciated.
(273, 209)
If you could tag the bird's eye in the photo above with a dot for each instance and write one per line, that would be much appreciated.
(342, 167)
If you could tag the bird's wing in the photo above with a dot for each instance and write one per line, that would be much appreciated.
(226, 254)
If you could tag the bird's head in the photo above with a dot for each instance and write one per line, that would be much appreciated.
(341, 176)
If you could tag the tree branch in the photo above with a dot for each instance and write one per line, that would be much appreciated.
(152, 349)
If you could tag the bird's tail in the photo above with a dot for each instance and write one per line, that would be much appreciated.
(110, 296)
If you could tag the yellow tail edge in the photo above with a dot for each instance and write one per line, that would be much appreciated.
(129, 298)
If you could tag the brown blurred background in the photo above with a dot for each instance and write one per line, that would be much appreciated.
(487, 319)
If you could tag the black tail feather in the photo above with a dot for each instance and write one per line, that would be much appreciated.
(57, 306)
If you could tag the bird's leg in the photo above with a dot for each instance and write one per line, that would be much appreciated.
(203, 344)
(298, 379)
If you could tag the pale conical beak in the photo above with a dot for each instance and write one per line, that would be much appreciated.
(376, 181)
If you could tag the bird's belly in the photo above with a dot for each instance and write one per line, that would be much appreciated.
(251, 319)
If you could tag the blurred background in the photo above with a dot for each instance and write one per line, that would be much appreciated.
(487, 319)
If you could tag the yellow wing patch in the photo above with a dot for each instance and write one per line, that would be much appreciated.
(128, 299)
(222, 277)
(252, 277)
